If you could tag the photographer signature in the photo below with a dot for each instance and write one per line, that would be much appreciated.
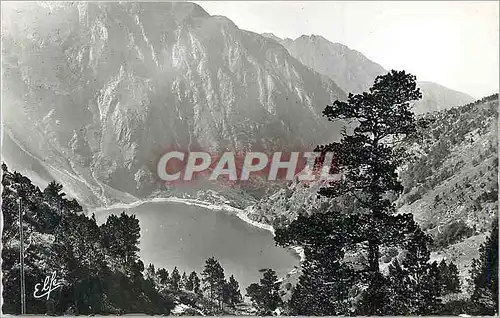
(49, 285)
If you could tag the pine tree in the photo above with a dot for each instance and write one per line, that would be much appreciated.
(431, 294)
(414, 286)
(265, 295)
(150, 273)
(175, 279)
(53, 195)
(190, 281)
(235, 291)
(484, 275)
(325, 281)
(193, 283)
(232, 295)
(255, 294)
(374, 300)
(399, 291)
(321, 290)
(183, 280)
(163, 276)
(197, 285)
(226, 293)
(213, 280)
(368, 158)
(121, 235)
(452, 282)
(53, 191)
(449, 278)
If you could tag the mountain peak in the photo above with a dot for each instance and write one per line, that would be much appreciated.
(312, 38)
(270, 35)
(351, 70)
(181, 8)
(355, 73)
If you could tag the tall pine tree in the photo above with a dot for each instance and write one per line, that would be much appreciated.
(213, 281)
(183, 280)
(175, 279)
(325, 281)
(367, 158)
(484, 274)
(163, 276)
(449, 278)
(265, 295)
(232, 295)
(190, 281)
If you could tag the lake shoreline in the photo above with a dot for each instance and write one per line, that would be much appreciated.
(241, 214)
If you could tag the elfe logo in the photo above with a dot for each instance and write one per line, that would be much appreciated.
(175, 166)
(49, 285)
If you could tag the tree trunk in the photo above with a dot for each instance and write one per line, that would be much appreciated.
(373, 256)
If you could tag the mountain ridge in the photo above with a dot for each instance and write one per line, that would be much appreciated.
(106, 88)
(95, 93)
(355, 73)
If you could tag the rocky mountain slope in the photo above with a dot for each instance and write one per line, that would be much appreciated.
(355, 73)
(95, 93)
(451, 188)
(350, 69)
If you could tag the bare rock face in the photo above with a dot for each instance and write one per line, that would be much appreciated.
(95, 93)
(355, 73)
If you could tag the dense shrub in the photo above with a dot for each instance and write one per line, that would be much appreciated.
(453, 233)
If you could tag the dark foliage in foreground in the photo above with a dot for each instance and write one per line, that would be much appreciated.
(484, 275)
(98, 266)
(265, 295)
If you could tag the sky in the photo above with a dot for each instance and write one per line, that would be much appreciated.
(453, 43)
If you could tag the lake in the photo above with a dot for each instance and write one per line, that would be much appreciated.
(177, 234)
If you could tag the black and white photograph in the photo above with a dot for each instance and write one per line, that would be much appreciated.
(249, 158)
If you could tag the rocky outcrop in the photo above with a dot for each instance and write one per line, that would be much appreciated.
(95, 93)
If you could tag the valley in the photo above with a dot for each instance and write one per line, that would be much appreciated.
(95, 93)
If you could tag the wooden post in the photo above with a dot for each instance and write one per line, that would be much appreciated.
(21, 259)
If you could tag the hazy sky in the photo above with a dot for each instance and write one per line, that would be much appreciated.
(451, 43)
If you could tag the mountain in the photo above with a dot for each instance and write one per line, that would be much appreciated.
(451, 188)
(355, 73)
(437, 97)
(95, 93)
(350, 69)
